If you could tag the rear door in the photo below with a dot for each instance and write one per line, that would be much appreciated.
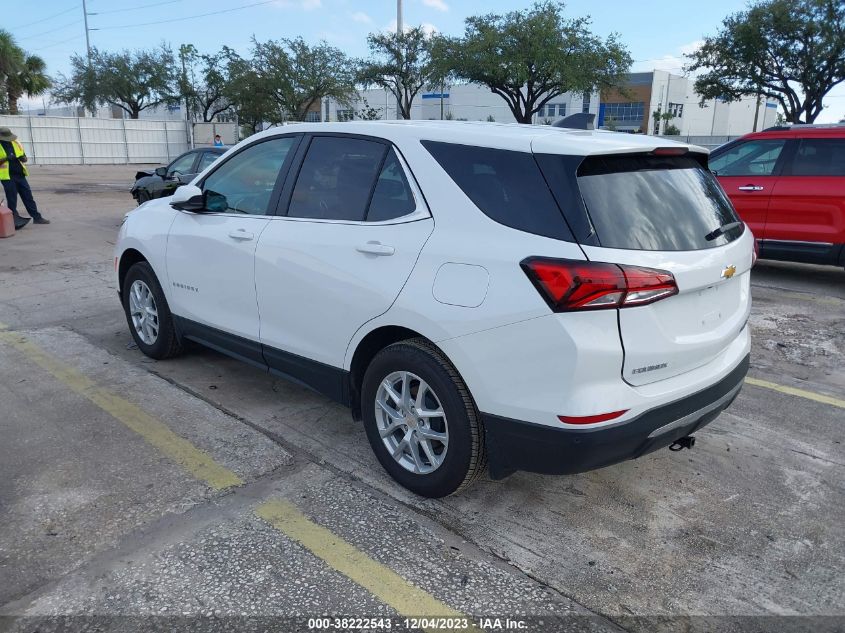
(807, 209)
(748, 172)
(350, 229)
(664, 213)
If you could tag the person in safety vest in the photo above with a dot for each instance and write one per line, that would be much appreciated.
(13, 175)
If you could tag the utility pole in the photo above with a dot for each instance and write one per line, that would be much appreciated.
(399, 29)
(87, 38)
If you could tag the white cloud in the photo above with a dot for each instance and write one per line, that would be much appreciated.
(428, 28)
(673, 63)
(360, 16)
(436, 4)
(305, 5)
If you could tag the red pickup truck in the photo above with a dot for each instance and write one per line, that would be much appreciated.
(788, 184)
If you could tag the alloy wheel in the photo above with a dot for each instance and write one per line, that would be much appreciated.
(411, 422)
(144, 313)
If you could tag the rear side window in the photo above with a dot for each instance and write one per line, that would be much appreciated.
(392, 197)
(507, 186)
(819, 157)
(654, 203)
(336, 179)
(751, 158)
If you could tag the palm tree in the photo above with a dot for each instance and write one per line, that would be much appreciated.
(20, 74)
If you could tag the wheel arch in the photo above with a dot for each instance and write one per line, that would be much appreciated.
(128, 258)
(366, 349)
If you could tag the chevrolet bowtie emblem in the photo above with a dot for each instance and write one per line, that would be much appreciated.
(729, 272)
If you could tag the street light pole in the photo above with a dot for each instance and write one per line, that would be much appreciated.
(398, 35)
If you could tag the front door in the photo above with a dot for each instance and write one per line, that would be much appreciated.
(211, 255)
(747, 173)
(352, 232)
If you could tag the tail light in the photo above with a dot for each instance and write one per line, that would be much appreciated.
(569, 285)
(755, 254)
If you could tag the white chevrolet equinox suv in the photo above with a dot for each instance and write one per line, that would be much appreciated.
(481, 295)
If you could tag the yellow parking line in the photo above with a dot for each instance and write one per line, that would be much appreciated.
(795, 391)
(195, 461)
(381, 581)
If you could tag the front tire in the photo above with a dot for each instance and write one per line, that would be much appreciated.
(148, 314)
(421, 420)
(143, 197)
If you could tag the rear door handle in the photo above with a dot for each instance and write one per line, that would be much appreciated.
(241, 234)
(376, 248)
(751, 188)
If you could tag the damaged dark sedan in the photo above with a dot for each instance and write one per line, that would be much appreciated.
(163, 181)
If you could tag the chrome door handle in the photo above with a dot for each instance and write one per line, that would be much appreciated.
(241, 234)
(375, 248)
(751, 188)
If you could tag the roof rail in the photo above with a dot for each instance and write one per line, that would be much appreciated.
(803, 126)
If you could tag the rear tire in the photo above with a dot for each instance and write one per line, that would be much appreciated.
(148, 315)
(432, 443)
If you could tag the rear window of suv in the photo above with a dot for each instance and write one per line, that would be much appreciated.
(655, 203)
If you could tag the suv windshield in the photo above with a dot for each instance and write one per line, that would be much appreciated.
(656, 203)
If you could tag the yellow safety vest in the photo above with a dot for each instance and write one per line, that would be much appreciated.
(4, 168)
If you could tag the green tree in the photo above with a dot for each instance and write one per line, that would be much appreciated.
(401, 63)
(247, 94)
(530, 57)
(130, 80)
(202, 82)
(792, 51)
(297, 76)
(369, 113)
(666, 117)
(20, 74)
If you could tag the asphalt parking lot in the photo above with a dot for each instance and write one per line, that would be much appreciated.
(142, 491)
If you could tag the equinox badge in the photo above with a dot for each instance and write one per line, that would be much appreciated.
(729, 272)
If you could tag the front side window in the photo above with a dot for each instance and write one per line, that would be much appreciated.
(336, 179)
(819, 157)
(245, 182)
(206, 160)
(181, 165)
(753, 158)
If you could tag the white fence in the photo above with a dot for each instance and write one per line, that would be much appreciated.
(52, 140)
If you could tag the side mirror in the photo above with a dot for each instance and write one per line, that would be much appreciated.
(161, 172)
(188, 198)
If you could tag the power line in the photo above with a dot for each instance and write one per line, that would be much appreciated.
(190, 17)
(55, 15)
(138, 8)
(58, 28)
(70, 39)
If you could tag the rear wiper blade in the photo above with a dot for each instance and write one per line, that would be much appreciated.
(730, 226)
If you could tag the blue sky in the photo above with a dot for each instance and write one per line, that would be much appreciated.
(656, 32)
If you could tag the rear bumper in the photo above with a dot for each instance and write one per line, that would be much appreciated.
(513, 445)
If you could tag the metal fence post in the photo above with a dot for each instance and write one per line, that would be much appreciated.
(81, 144)
(32, 141)
(125, 141)
(167, 141)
